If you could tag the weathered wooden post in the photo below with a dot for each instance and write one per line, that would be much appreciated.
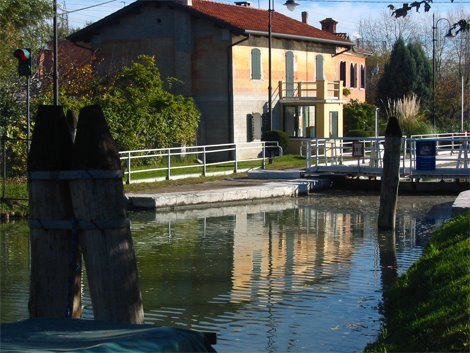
(72, 121)
(388, 259)
(54, 285)
(390, 175)
(100, 207)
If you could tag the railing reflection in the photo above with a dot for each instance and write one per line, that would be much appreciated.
(288, 245)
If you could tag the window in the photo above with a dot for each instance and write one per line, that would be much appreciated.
(342, 72)
(353, 75)
(363, 76)
(255, 64)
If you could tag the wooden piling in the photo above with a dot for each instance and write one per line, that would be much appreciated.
(99, 203)
(72, 122)
(390, 175)
(388, 259)
(54, 290)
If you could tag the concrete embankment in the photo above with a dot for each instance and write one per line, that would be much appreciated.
(461, 204)
(226, 194)
(259, 185)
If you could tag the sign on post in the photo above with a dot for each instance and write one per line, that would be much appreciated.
(358, 149)
(426, 155)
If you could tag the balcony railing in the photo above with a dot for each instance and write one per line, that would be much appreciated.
(320, 90)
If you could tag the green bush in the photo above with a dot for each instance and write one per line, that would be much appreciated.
(359, 118)
(360, 133)
(276, 135)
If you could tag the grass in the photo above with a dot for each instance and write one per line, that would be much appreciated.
(16, 193)
(187, 166)
(16, 198)
(428, 309)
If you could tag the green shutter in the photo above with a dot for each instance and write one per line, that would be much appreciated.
(333, 124)
(255, 64)
(319, 67)
(289, 74)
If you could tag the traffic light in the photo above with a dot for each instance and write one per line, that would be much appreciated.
(24, 61)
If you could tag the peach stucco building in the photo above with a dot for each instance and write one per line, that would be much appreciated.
(220, 53)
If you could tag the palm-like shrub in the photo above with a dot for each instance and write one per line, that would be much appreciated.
(408, 112)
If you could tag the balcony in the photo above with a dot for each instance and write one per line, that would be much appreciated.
(304, 91)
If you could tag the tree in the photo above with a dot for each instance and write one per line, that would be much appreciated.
(462, 25)
(141, 113)
(378, 36)
(422, 82)
(399, 72)
(451, 59)
(23, 23)
(407, 72)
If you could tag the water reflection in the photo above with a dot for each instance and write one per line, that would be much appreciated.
(279, 276)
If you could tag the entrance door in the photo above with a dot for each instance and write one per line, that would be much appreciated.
(291, 120)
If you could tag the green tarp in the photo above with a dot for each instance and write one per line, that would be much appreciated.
(69, 335)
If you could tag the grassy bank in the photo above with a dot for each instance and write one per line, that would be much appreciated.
(428, 309)
(15, 202)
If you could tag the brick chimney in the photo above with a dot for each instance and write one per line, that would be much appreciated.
(329, 25)
(304, 16)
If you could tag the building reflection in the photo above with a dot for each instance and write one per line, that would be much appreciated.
(260, 269)
(238, 254)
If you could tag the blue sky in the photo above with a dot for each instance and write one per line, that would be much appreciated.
(347, 13)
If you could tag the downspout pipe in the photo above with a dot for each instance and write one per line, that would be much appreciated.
(230, 87)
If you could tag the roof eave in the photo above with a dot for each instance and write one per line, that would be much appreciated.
(84, 34)
(340, 43)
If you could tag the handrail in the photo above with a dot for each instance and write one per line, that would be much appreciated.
(336, 154)
(196, 159)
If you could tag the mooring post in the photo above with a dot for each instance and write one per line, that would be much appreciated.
(72, 121)
(390, 175)
(100, 206)
(54, 289)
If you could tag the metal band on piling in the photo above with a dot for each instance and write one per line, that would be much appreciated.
(75, 174)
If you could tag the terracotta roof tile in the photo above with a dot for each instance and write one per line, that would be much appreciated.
(235, 17)
(253, 19)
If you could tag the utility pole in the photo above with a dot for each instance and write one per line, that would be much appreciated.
(56, 55)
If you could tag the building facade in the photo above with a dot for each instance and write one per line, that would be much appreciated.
(222, 56)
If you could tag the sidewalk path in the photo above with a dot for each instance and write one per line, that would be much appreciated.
(227, 190)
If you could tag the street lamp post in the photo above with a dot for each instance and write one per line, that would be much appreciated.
(291, 5)
(56, 58)
(461, 108)
(434, 40)
(270, 44)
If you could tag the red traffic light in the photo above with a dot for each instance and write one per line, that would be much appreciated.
(22, 54)
(24, 61)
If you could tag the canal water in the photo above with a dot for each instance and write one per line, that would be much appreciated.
(285, 275)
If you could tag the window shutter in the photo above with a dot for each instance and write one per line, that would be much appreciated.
(255, 64)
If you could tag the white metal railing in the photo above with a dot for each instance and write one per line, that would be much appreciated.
(192, 161)
(337, 155)
(309, 89)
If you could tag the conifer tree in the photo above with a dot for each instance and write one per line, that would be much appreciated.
(422, 82)
(407, 72)
(398, 74)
